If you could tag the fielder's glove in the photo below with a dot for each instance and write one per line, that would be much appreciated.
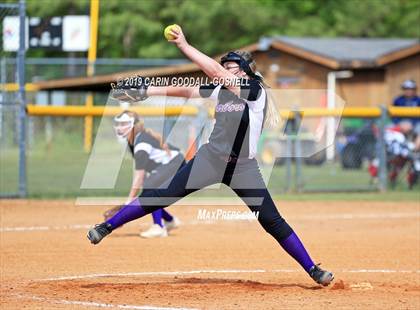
(111, 212)
(132, 89)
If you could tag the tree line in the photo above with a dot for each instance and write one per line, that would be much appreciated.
(134, 28)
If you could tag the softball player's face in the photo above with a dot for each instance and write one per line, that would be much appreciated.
(122, 129)
(234, 68)
(409, 92)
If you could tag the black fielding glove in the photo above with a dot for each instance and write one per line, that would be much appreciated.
(131, 89)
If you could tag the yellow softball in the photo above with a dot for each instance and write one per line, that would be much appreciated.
(167, 31)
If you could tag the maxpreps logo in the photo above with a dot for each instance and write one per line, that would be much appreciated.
(230, 107)
(226, 215)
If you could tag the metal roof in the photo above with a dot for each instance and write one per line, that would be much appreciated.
(349, 49)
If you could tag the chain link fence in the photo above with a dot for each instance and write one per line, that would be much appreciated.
(57, 161)
(354, 148)
(369, 154)
(10, 122)
(56, 158)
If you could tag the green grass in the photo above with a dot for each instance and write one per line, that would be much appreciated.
(57, 171)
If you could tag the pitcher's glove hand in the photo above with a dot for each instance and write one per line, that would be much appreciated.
(130, 89)
(111, 212)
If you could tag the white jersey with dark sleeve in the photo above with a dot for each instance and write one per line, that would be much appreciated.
(239, 119)
(147, 153)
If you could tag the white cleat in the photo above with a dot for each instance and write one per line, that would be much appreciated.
(155, 231)
(175, 223)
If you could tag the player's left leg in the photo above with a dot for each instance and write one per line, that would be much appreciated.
(151, 200)
(248, 184)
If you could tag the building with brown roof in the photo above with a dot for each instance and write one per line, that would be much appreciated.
(378, 67)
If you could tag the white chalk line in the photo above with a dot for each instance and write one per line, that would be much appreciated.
(223, 271)
(341, 216)
(44, 228)
(96, 304)
(351, 216)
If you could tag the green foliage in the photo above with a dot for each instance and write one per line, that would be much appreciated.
(133, 28)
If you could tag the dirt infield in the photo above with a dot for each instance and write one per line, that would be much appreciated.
(47, 262)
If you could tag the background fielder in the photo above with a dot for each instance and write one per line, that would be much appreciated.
(155, 163)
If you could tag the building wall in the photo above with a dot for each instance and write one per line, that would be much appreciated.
(295, 82)
(292, 72)
(365, 88)
(397, 72)
(368, 87)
